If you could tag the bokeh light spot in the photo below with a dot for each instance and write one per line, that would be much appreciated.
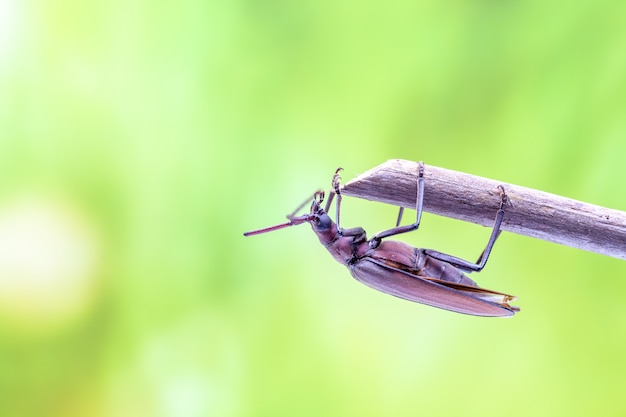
(49, 258)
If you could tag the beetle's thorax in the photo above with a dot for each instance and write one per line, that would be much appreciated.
(344, 245)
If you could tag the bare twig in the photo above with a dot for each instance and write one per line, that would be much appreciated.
(467, 197)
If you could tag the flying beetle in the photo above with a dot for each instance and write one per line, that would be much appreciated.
(420, 275)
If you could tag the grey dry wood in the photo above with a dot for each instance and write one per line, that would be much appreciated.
(475, 199)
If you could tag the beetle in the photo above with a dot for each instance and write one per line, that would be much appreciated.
(420, 275)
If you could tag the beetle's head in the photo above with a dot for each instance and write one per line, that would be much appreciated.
(319, 219)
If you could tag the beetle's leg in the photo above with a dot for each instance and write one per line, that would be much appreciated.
(355, 231)
(336, 183)
(375, 240)
(482, 259)
(400, 213)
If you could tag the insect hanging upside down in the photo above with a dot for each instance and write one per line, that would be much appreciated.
(393, 267)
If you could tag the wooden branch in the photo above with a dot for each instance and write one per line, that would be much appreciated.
(475, 199)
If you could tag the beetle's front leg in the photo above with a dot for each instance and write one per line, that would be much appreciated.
(336, 184)
(482, 259)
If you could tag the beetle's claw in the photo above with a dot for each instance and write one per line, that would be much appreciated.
(504, 198)
(337, 180)
(420, 169)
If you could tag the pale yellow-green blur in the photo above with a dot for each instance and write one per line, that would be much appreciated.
(139, 140)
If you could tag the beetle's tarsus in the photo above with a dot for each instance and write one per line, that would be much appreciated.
(504, 198)
(337, 180)
(420, 169)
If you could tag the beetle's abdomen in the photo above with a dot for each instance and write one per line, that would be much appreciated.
(402, 256)
(434, 268)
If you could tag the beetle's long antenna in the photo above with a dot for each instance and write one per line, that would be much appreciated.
(304, 203)
(293, 222)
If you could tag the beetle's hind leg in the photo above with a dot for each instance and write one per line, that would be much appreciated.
(482, 259)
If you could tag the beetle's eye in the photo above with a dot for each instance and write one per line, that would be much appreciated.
(323, 222)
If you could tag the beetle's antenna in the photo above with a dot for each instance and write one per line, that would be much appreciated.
(305, 202)
(294, 221)
(318, 198)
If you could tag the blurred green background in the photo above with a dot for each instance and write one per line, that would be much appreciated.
(139, 139)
